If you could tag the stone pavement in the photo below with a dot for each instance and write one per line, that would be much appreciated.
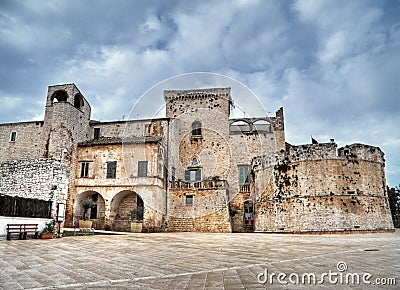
(200, 261)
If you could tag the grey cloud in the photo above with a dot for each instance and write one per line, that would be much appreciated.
(333, 65)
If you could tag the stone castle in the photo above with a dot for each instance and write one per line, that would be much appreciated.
(194, 170)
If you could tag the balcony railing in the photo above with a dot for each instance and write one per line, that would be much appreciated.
(204, 184)
(245, 188)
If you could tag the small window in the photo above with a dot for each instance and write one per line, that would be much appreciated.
(173, 172)
(85, 169)
(193, 175)
(111, 169)
(13, 136)
(78, 101)
(189, 199)
(244, 174)
(147, 128)
(142, 168)
(196, 128)
(96, 133)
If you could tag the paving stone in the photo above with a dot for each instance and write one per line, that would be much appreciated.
(197, 263)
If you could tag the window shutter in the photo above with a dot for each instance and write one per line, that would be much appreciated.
(142, 168)
(111, 169)
(96, 133)
(198, 175)
(244, 177)
(187, 175)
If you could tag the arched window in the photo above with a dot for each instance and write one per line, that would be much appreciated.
(262, 126)
(239, 127)
(196, 128)
(59, 96)
(78, 101)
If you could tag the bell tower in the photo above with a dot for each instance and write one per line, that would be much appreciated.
(66, 121)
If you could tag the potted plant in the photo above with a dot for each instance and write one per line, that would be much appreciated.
(136, 216)
(48, 230)
(86, 204)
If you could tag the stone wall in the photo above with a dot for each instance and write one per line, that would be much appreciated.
(44, 179)
(30, 141)
(311, 188)
(208, 213)
(125, 129)
(180, 102)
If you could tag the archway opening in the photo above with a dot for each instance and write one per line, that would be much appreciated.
(125, 206)
(90, 205)
(239, 127)
(59, 96)
(262, 126)
(78, 101)
(248, 210)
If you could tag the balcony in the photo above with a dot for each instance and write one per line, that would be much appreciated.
(204, 184)
(244, 188)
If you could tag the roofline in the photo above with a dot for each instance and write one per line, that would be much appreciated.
(120, 141)
(23, 122)
(95, 122)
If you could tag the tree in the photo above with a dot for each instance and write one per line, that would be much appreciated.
(86, 204)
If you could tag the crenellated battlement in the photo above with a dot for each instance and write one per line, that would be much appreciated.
(320, 151)
(181, 102)
(170, 95)
(363, 152)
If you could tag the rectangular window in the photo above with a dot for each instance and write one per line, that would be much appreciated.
(193, 175)
(85, 169)
(173, 174)
(142, 168)
(13, 136)
(189, 199)
(244, 174)
(147, 128)
(96, 133)
(111, 169)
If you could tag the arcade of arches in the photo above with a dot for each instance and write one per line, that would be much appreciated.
(106, 214)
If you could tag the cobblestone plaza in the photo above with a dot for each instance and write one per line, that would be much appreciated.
(200, 261)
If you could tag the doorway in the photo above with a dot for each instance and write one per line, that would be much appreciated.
(248, 217)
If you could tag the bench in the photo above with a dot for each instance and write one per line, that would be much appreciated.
(22, 230)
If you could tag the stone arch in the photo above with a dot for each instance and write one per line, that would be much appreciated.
(121, 205)
(59, 96)
(262, 125)
(78, 101)
(96, 214)
(239, 126)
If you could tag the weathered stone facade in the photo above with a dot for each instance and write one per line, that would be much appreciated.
(319, 188)
(40, 178)
(43, 178)
(195, 170)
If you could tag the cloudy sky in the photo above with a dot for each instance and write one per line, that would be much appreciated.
(333, 65)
